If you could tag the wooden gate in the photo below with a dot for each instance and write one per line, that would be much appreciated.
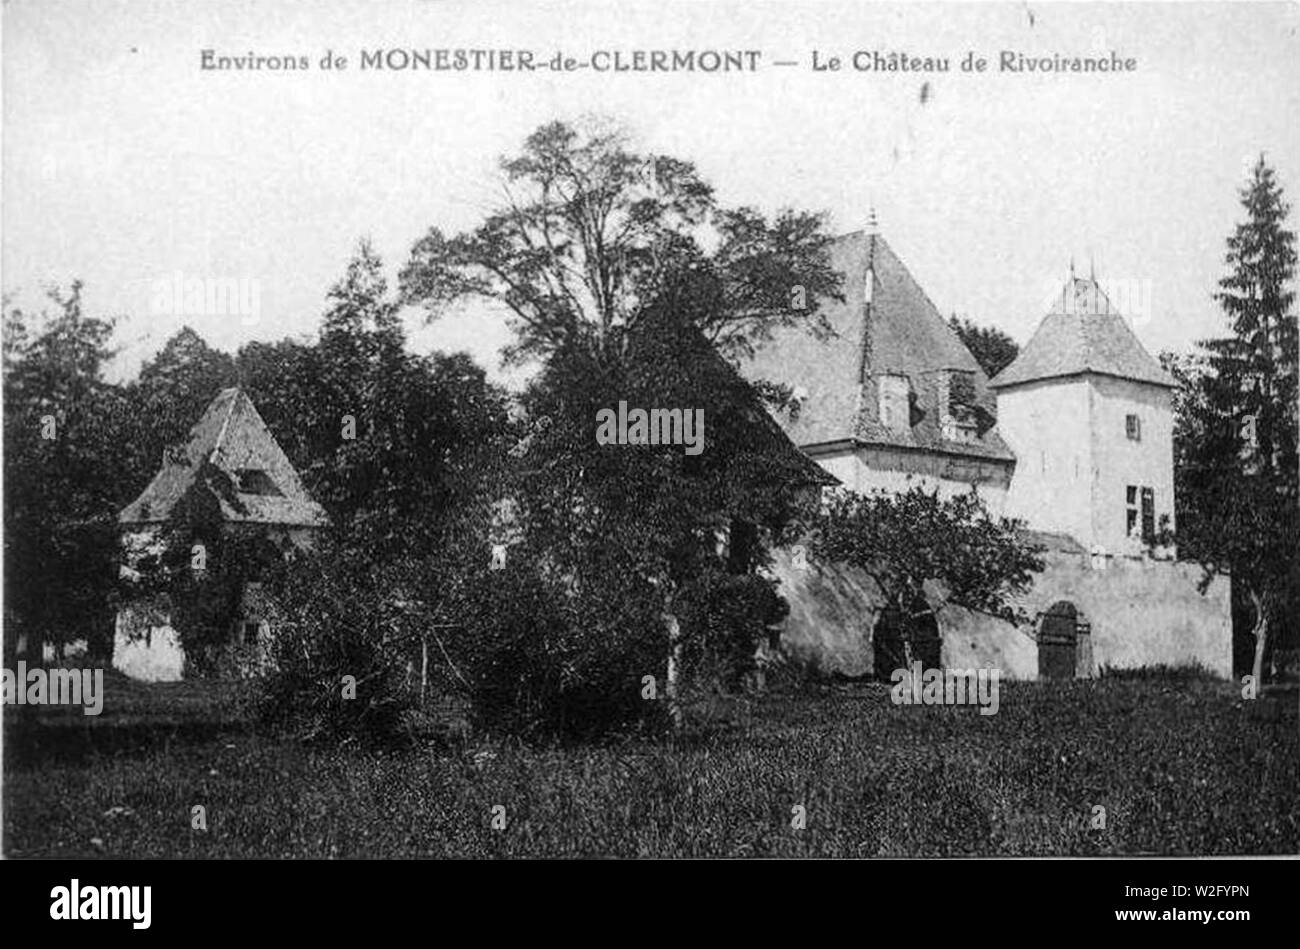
(893, 651)
(1058, 640)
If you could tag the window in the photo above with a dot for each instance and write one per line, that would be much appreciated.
(958, 414)
(1133, 428)
(250, 634)
(895, 410)
(961, 390)
(256, 481)
(1140, 513)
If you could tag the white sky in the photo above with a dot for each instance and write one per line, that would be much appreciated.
(123, 163)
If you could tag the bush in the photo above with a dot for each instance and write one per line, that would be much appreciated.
(726, 618)
(540, 659)
(346, 622)
(529, 655)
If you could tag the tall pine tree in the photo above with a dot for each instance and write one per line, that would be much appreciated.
(1238, 478)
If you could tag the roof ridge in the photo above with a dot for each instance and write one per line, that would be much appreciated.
(242, 425)
(230, 411)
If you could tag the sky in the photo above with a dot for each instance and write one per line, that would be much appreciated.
(127, 165)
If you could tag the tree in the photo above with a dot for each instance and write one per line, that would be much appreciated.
(993, 349)
(389, 442)
(907, 540)
(1237, 438)
(398, 448)
(592, 236)
(65, 429)
(663, 528)
(170, 395)
(602, 255)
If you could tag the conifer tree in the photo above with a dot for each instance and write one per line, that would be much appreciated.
(1238, 479)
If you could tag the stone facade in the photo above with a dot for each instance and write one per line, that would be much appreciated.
(1131, 613)
(1076, 441)
(867, 468)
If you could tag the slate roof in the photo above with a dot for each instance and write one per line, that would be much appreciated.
(232, 437)
(1083, 333)
(899, 332)
(677, 366)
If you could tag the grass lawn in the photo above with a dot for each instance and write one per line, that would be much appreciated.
(1181, 765)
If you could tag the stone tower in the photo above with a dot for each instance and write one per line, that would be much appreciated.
(1088, 413)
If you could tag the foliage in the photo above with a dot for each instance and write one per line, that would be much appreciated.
(65, 473)
(541, 662)
(387, 441)
(906, 540)
(409, 491)
(340, 618)
(627, 279)
(727, 617)
(1235, 435)
(993, 349)
(169, 397)
(594, 235)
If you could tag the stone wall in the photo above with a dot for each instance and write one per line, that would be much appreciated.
(145, 646)
(1142, 613)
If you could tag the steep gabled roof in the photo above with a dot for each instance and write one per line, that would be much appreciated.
(1083, 333)
(674, 365)
(232, 437)
(900, 332)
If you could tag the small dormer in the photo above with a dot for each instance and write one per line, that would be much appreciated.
(256, 481)
(958, 409)
(895, 391)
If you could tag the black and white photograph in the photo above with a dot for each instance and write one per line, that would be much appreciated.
(652, 431)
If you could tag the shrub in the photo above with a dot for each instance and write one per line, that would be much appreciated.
(542, 659)
(346, 622)
(726, 618)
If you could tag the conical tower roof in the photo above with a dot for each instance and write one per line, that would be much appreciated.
(1083, 333)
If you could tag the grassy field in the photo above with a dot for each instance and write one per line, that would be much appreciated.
(1181, 765)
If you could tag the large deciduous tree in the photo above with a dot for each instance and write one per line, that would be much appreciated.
(595, 251)
(592, 236)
